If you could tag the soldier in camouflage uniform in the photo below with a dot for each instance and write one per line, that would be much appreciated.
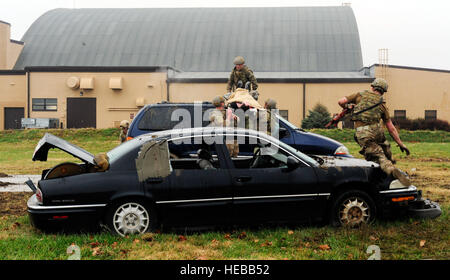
(221, 116)
(123, 130)
(369, 132)
(270, 105)
(241, 73)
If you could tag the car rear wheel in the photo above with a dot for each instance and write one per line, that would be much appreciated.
(131, 217)
(353, 208)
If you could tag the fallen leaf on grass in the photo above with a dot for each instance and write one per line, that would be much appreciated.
(242, 235)
(256, 240)
(266, 244)
(97, 251)
(136, 241)
(373, 238)
(182, 238)
(114, 245)
(227, 236)
(324, 247)
(202, 258)
(15, 225)
(147, 237)
(290, 232)
(422, 243)
(94, 244)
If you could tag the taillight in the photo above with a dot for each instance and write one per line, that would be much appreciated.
(39, 196)
(129, 138)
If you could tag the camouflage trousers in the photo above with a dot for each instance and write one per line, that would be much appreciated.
(374, 146)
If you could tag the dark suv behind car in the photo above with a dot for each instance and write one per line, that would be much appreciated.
(163, 116)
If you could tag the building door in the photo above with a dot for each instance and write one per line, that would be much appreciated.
(81, 112)
(13, 118)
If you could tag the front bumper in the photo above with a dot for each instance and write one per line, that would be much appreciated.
(42, 216)
(414, 205)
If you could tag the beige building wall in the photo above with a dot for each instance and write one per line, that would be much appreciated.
(4, 42)
(9, 50)
(112, 105)
(14, 50)
(328, 94)
(416, 90)
(13, 94)
(288, 96)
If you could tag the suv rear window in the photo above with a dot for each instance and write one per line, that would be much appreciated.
(159, 118)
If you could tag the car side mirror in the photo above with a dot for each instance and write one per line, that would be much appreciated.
(282, 132)
(292, 163)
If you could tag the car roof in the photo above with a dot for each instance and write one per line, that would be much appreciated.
(201, 131)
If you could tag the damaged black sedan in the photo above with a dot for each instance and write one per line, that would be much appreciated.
(152, 181)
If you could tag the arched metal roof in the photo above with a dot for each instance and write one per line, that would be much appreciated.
(288, 39)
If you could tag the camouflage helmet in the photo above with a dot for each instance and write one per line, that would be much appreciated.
(124, 123)
(218, 100)
(238, 60)
(270, 104)
(380, 84)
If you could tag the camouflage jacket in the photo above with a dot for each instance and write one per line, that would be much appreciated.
(371, 116)
(245, 75)
(122, 136)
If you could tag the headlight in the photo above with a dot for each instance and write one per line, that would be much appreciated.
(342, 150)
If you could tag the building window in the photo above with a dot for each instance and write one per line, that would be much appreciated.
(430, 114)
(45, 104)
(284, 114)
(400, 114)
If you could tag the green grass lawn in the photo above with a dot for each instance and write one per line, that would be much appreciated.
(406, 239)
(400, 239)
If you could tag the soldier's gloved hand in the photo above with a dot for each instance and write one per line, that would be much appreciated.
(404, 149)
(349, 106)
(227, 95)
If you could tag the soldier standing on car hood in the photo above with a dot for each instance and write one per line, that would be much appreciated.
(369, 109)
(242, 73)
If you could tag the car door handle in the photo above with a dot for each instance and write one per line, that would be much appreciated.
(153, 180)
(243, 179)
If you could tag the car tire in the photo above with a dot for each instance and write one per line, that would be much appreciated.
(130, 217)
(352, 208)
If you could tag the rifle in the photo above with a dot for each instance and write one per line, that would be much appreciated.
(337, 118)
(349, 109)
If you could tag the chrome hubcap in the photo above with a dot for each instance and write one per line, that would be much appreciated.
(131, 218)
(354, 212)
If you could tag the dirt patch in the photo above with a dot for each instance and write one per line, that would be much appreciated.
(13, 203)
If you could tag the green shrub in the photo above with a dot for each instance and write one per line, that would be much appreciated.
(422, 124)
(318, 117)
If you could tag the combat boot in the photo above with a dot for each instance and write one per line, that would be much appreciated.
(401, 177)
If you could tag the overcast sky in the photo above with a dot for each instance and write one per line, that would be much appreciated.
(417, 33)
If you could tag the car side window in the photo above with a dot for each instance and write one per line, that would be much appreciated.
(193, 153)
(257, 153)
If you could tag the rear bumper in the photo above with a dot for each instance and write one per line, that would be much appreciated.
(42, 216)
(413, 205)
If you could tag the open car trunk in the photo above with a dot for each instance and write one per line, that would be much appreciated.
(50, 141)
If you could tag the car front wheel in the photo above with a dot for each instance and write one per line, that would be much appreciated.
(353, 208)
(132, 217)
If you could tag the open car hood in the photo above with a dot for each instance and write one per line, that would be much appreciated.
(50, 141)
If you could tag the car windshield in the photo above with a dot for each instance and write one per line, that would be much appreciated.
(122, 149)
(293, 151)
(283, 120)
